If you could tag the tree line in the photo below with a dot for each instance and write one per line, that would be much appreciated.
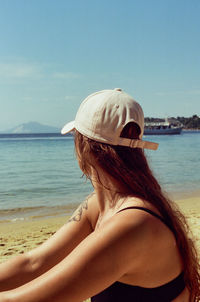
(192, 122)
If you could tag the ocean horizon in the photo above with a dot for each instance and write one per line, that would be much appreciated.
(41, 178)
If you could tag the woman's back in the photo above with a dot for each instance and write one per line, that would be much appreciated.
(156, 259)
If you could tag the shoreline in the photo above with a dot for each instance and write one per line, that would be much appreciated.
(24, 214)
(19, 236)
(36, 213)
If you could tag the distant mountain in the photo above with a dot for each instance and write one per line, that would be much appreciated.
(32, 127)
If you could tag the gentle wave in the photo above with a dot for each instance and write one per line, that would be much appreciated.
(30, 213)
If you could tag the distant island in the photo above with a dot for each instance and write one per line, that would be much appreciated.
(192, 122)
(30, 128)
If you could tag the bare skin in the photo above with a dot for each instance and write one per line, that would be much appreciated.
(88, 252)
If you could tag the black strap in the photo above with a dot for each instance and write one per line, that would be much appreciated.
(150, 212)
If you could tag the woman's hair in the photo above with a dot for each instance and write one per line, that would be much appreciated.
(129, 167)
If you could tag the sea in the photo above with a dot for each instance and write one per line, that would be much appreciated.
(40, 177)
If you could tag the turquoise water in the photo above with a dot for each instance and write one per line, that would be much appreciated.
(40, 176)
(176, 163)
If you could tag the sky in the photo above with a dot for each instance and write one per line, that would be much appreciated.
(55, 53)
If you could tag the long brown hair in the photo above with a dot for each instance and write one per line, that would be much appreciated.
(130, 167)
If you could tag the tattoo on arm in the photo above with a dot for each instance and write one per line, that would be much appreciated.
(79, 212)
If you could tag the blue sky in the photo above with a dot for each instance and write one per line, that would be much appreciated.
(54, 53)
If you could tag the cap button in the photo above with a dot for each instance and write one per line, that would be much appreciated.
(118, 89)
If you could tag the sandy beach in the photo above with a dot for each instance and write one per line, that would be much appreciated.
(191, 209)
(21, 236)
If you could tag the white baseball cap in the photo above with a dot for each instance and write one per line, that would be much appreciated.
(103, 115)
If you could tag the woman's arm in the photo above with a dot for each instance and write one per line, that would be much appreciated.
(93, 265)
(23, 268)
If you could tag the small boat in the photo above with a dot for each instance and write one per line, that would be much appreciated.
(161, 128)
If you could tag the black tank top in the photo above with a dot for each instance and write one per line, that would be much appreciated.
(121, 292)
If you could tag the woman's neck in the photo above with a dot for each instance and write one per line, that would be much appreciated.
(108, 190)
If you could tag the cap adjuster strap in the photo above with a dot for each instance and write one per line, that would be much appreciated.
(137, 143)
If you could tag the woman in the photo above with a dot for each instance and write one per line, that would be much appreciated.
(127, 241)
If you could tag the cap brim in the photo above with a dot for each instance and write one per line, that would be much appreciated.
(68, 127)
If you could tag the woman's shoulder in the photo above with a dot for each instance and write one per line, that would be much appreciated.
(143, 222)
(129, 215)
(124, 212)
(138, 212)
(127, 220)
(139, 207)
